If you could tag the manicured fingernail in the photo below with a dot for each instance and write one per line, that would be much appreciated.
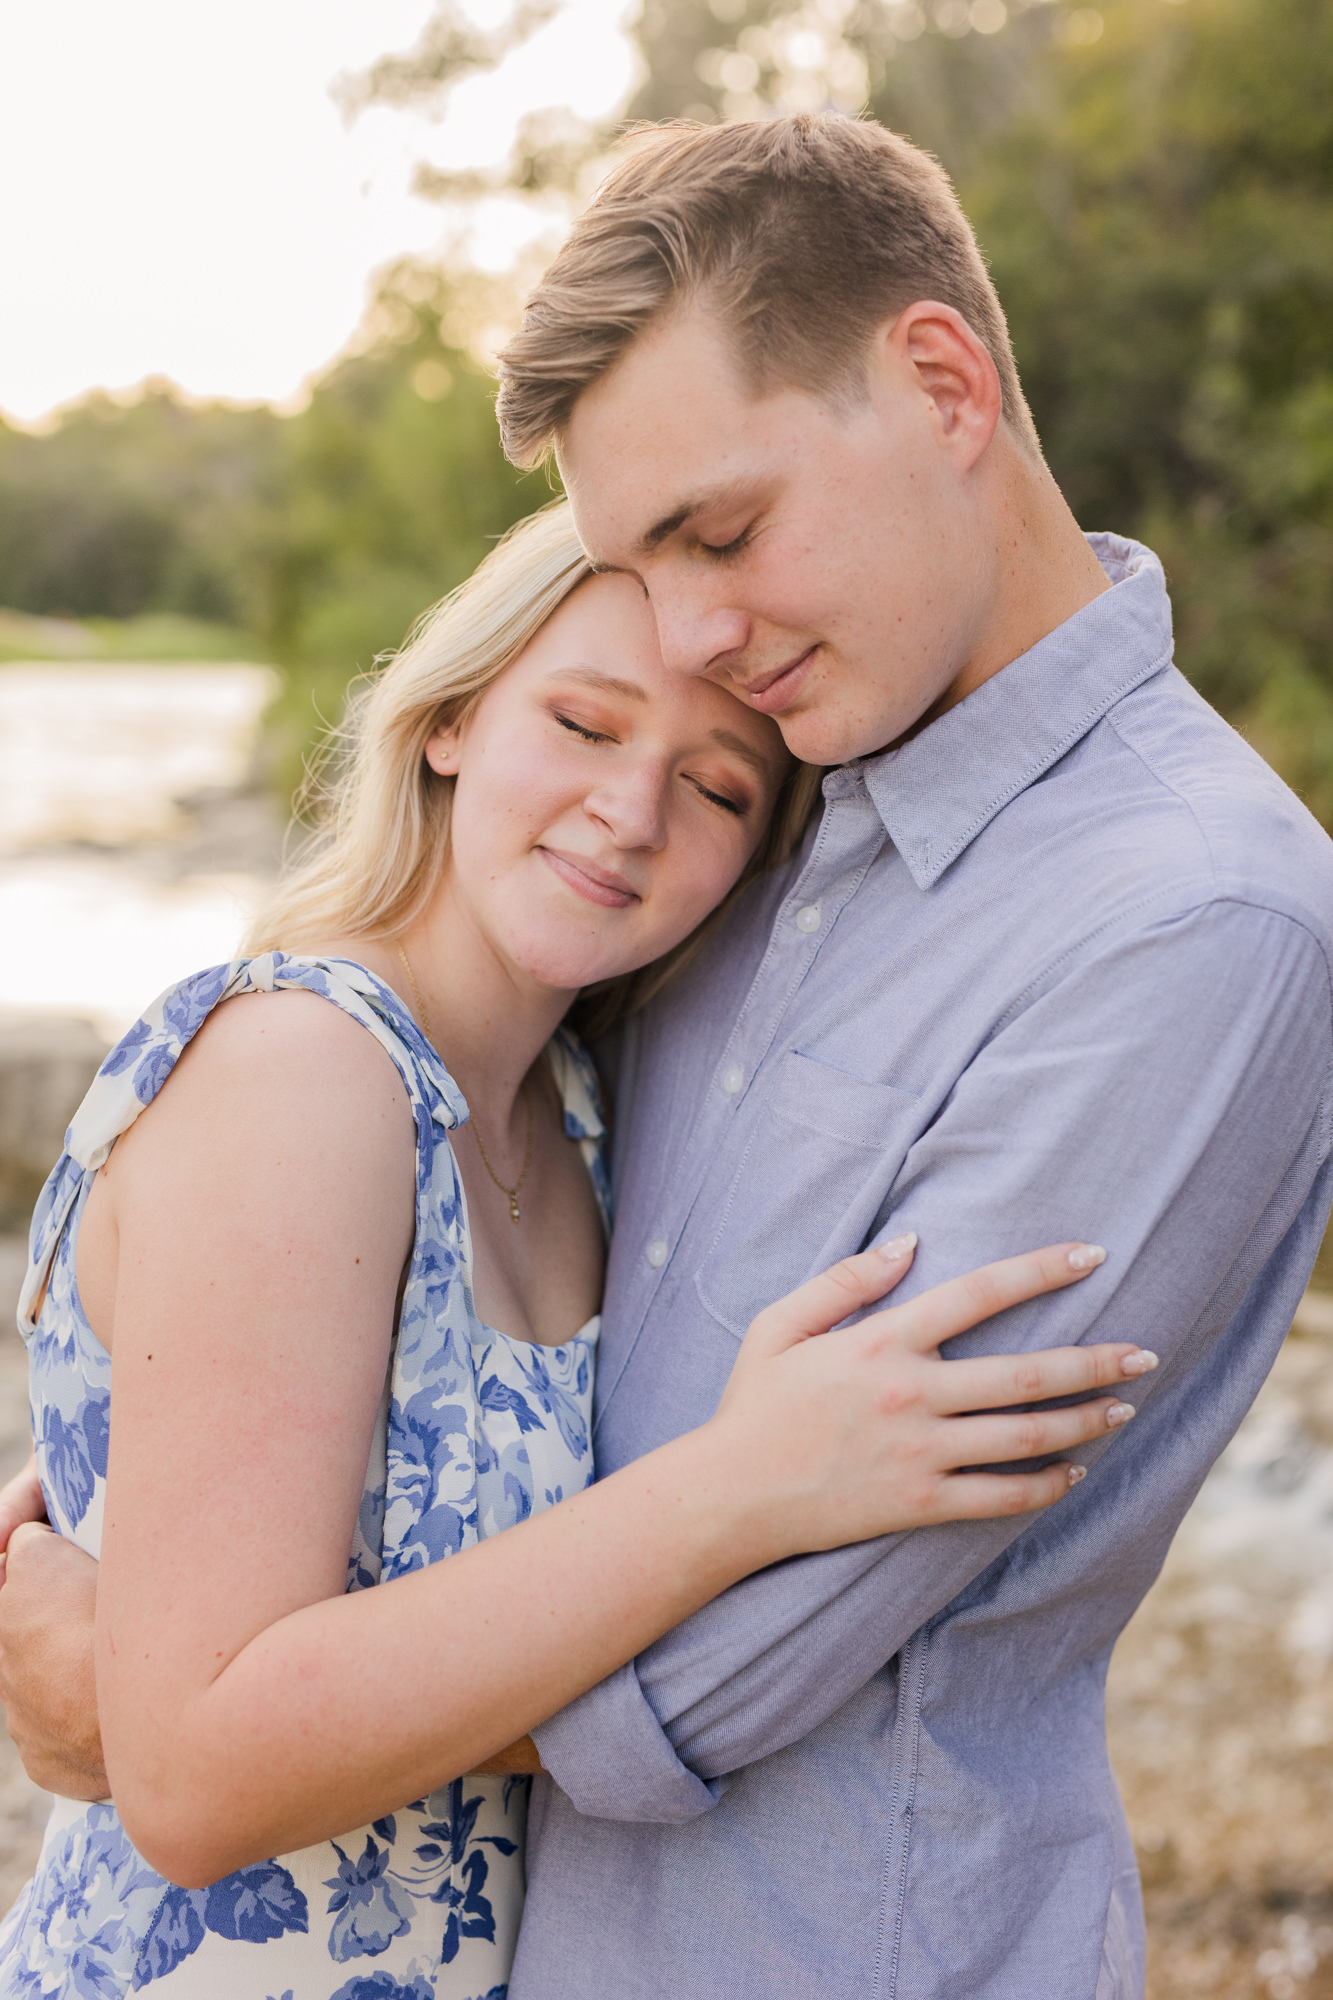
(1141, 1363)
(1077, 1472)
(1086, 1257)
(1119, 1413)
(900, 1247)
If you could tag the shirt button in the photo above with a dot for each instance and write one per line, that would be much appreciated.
(733, 1079)
(809, 919)
(657, 1253)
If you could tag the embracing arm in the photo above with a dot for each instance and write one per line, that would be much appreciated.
(21, 1500)
(57, 1734)
(47, 1683)
(263, 1208)
(1171, 1099)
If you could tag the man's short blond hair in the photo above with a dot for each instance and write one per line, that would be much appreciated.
(804, 234)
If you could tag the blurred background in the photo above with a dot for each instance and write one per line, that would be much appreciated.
(255, 262)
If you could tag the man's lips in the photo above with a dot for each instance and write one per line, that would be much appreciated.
(770, 693)
(586, 879)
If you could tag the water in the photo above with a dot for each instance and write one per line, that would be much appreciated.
(134, 844)
(134, 840)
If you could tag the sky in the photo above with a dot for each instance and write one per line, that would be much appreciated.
(180, 196)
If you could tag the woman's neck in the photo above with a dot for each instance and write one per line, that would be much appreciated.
(488, 1021)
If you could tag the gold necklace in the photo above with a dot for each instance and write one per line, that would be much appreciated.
(515, 1212)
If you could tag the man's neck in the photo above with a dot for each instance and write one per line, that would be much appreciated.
(1045, 572)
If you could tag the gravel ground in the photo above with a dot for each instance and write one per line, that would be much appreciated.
(1220, 1703)
(1220, 1707)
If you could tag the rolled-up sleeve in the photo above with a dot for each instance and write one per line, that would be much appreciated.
(1167, 1095)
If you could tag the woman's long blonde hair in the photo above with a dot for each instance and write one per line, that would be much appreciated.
(382, 814)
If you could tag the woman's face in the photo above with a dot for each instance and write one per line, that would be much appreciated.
(602, 806)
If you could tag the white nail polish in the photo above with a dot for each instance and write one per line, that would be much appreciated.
(1119, 1413)
(1141, 1363)
(1077, 1472)
(1086, 1257)
(893, 1252)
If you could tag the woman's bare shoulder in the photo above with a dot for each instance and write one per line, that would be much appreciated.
(292, 1030)
(286, 1067)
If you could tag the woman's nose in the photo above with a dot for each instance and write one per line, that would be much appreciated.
(632, 808)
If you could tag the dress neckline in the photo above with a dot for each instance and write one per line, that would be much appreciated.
(587, 1333)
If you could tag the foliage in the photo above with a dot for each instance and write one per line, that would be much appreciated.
(153, 635)
(1150, 179)
(120, 510)
(393, 487)
(1151, 183)
(1156, 208)
(313, 540)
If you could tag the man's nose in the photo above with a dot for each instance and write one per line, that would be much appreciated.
(693, 627)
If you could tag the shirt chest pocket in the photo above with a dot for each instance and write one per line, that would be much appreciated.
(816, 1174)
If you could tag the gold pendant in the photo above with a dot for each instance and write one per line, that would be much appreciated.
(514, 1212)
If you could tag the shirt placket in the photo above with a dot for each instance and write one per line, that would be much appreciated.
(850, 837)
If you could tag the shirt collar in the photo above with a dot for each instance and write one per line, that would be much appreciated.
(936, 793)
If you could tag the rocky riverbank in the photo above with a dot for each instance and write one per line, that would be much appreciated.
(1220, 1707)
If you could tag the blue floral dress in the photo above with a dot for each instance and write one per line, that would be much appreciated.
(476, 1432)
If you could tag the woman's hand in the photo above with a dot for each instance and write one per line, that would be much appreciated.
(881, 1426)
(47, 1684)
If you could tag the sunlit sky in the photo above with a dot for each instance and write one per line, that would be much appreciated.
(180, 196)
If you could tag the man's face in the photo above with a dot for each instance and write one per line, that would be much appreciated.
(831, 564)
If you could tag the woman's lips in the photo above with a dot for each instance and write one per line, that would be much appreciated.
(771, 695)
(586, 879)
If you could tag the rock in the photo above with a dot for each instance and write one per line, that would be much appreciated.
(47, 1062)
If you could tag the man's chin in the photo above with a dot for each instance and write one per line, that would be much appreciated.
(819, 737)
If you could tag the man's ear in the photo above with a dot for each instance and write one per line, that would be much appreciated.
(953, 371)
(444, 749)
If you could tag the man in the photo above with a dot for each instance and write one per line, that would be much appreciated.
(1055, 963)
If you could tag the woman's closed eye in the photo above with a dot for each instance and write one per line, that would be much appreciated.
(581, 729)
(737, 806)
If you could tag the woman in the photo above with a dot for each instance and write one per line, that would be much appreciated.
(286, 1235)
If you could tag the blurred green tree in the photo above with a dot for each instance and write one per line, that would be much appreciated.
(391, 488)
(1151, 182)
(1153, 185)
(315, 538)
(122, 509)
(1154, 193)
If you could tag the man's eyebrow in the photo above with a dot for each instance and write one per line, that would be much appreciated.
(668, 525)
(744, 750)
(719, 496)
(605, 683)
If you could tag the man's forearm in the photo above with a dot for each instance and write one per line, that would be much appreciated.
(47, 1680)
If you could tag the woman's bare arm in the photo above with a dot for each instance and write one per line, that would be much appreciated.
(345, 1707)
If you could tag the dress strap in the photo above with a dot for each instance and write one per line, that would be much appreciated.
(144, 1057)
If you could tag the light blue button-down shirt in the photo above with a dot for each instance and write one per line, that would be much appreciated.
(1058, 967)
